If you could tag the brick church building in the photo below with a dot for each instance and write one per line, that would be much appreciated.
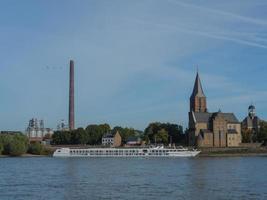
(207, 129)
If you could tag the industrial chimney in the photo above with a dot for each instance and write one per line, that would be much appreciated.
(71, 97)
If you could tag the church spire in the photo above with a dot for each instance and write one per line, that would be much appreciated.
(198, 91)
(198, 99)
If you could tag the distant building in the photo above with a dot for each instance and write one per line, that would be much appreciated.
(211, 129)
(36, 130)
(113, 140)
(134, 141)
(252, 122)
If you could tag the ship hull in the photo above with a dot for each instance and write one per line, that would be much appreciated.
(124, 153)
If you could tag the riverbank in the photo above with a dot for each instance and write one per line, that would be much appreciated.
(27, 155)
(233, 152)
(233, 155)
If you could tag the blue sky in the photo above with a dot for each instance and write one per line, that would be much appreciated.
(135, 60)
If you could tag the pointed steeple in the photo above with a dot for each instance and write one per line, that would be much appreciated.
(198, 99)
(198, 91)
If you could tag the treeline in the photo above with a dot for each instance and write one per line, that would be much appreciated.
(163, 133)
(91, 135)
(18, 144)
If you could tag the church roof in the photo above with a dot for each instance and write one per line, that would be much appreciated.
(205, 117)
(230, 117)
(202, 116)
(198, 91)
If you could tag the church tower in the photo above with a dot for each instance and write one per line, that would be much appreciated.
(251, 111)
(198, 102)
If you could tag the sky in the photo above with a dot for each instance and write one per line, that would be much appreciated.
(135, 61)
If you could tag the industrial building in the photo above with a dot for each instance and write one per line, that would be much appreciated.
(36, 130)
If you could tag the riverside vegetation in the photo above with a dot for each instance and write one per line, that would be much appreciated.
(260, 136)
(163, 133)
(18, 144)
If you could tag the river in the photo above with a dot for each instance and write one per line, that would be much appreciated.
(133, 178)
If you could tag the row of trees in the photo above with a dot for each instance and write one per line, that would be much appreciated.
(92, 135)
(155, 132)
(18, 144)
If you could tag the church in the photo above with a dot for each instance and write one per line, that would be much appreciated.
(208, 129)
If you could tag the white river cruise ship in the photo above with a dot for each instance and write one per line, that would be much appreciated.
(126, 152)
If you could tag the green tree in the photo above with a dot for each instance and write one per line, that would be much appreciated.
(262, 135)
(96, 132)
(79, 136)
(62, 137)
(162, 136)
(17, 147)
(175, 132)
(13, 144)
(36, 148)
(5, 140)
(1, 148)
(23, 138)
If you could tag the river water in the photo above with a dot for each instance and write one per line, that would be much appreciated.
(133, 178)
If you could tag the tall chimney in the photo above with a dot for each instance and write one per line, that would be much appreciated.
(71, 97)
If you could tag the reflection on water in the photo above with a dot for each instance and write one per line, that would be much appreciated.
(133, 178)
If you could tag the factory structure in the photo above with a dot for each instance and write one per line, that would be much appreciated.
(36, 130)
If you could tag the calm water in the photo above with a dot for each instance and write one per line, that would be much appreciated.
(135, 178)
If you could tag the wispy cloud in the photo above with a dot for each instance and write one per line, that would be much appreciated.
(222, 13)
(248, 39)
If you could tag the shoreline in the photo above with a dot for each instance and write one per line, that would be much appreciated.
(25, 156)
(223, 155)
(234, 152)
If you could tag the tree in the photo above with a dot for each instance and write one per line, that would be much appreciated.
(1, 148)
(23, 138)
(79, 136)
(17, 147)
(162, 136)
(96, 132)
(36, 148)
(175, 132)
(5, 139)
(13, 144)
(62, 137)
(262, 135)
